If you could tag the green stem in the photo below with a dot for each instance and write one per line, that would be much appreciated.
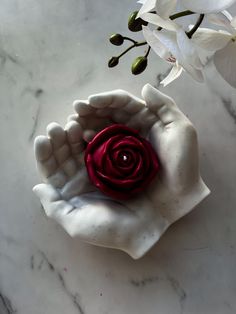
(180, 14)
(130, 39)
(136, 44)
(147, 53)
(196, 26)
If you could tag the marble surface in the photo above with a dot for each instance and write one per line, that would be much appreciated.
(52, 52)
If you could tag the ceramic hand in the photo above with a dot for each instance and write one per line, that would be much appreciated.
(132, 226)
(178, 187)
(68, 197)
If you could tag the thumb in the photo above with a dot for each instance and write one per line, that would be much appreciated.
(46, 193)
(160, 104)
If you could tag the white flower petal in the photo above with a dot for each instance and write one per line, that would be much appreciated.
(233, 22)
(157, 20)
(175, 72)
(169, 40)
(155, 44)
(147, 6)
(207, 6)
(187, 49)
(210, 39)
(195, 73)
(141, 1)
(225, 62)
(222, 18)
(164, 8)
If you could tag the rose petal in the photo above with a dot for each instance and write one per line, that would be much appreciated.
(225, 62)
(206, 6)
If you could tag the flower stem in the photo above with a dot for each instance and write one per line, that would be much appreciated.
(147, 53)
(195, 27)
(180, 14)
(130, 39)
(136, 44)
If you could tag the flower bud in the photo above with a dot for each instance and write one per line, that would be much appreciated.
(116, 39)
(113, 62)
(139, 65)
(135, 25)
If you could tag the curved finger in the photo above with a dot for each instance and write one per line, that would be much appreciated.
(82, 107)
(73, 117)
(46, 193)
(52, 203)
(46, 162)
(161, 105)
(75, 139)
(57, 135)
(114, 99)
(61, 149)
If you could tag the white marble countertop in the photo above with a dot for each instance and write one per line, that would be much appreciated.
(52, 52)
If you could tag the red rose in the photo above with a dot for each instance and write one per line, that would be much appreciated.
(120, 162)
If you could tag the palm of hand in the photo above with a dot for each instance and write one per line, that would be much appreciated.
(71, 200)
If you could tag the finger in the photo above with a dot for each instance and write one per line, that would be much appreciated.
(75, 139)
(46, 193)
(82, 108)
(51, 200)
(161, 105)
(42, 148)
(56, 134)
(115, 99)
(46, 161)
(73, 117)
(61, 149)
(142, 120)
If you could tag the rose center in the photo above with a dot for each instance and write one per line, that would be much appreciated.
(124, 157)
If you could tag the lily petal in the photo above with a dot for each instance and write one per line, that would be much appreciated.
(155, 44)
(233, 23)
(159, 21)
(225, 62)
(188, 49)
(169, 40)
(207, 6)
(222, 18)
(164, 8)
(175, 72)
(210, 39)
(147, 6)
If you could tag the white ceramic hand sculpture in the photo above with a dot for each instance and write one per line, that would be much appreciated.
(133, 226)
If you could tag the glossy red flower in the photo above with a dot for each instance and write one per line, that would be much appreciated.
(120, 162)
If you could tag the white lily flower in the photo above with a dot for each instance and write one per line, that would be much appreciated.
(176, 49)
(207, 6)
(223, 43)
(165, 7)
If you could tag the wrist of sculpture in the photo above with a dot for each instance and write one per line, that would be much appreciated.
(180, 205)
